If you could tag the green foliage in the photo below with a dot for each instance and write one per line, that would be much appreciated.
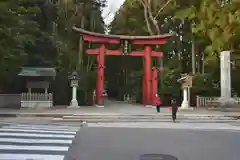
(128, 15)
(16, 33)
(78, 12)
(202, 83)
(170, 84)
(214, 25)
(214, 20)
(39, 33)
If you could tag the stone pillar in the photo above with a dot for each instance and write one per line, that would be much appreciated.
(74, 102)
(189, 95)
(185, 104)
(46, 90)
(225, 71)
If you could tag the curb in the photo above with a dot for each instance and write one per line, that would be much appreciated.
(119, 116)
(144, 121)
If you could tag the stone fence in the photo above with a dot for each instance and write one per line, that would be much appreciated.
(10, 100)
(213, 101)
(26, 100)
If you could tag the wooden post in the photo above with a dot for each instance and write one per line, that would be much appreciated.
(189, 96)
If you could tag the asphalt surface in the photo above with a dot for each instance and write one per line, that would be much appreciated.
(99, 143)
(183, 140)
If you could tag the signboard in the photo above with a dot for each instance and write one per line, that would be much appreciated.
(38, 84)
(125, 47)
(187, 82)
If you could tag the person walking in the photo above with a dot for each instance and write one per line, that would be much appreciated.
(174, 109)
(157, 102)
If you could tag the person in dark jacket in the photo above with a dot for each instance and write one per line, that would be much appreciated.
(174, 109)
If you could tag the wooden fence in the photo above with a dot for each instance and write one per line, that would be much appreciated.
(36, 100)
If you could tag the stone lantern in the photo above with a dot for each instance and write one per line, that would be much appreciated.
(74, 78)
(186, 82)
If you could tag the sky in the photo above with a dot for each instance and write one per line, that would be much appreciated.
(112, 7)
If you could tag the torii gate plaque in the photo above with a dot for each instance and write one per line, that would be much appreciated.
(124, 40)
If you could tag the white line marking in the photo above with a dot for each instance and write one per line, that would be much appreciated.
(37, 135)
(34, 148)
(21, 140)
(35, 130)
(30, 156)
(47, 127)
(41, 128)
(199, 126)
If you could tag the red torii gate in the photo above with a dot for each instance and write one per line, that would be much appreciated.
(147, 41)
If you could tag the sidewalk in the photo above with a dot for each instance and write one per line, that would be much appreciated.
(116, 109)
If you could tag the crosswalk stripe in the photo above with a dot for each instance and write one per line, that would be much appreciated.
(32, 141)
(35, 130)
(37, 135)
(36, 148)
(49, 126)
(30, 157)
(43, 128)
(35, 142)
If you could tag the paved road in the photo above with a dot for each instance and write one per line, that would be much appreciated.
(179, 125)
(41, 139)
(35, 141)
(119, 143)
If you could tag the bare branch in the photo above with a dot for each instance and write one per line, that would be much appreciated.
(146, 17)
(155, 23)
(161, 9)
(107, 15)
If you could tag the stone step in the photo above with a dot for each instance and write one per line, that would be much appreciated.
(120, 116)
(143, 120)
(103, 117)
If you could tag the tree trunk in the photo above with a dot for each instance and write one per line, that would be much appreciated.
(202, 60)
(193, 56)
(80, 51)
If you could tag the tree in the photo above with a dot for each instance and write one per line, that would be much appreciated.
(216, 21)
(197, 29)
(130, 20)
(39, 33)
(71, 13)
(215, 25)
(17, 32)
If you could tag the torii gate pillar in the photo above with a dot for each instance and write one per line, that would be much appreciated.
(148, 75)
(100, 77)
